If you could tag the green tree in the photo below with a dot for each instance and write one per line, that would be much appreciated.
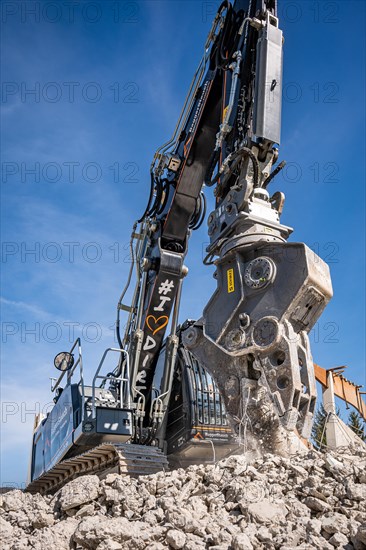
(357, 425)
(318, 431)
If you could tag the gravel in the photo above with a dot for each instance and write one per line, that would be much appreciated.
(310, 501)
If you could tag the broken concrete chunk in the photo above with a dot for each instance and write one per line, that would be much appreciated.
(267, 512)
(316, 504)
(79, 491)
(361, 534)
(338, 540)
(176, 539)
(356, 491)
(241, 542)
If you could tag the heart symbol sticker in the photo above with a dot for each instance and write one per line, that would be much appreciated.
(159, 323)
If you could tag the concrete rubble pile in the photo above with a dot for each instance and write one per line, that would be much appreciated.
(310, 501)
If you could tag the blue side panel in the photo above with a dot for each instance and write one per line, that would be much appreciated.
(38, 456)
(58, 429)
(55, 435)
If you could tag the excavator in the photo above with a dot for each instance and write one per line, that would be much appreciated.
(241, 378)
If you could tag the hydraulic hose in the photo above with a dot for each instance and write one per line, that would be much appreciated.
(147, 209)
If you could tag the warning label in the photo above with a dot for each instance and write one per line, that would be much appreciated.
(230, 280)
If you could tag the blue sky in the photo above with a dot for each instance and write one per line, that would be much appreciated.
(107, 94)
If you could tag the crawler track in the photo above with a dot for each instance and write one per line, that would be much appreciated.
(123, 458)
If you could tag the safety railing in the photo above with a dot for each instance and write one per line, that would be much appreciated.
(123, 379)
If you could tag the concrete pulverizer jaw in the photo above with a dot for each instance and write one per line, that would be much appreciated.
(253, 339)
(253, 334)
